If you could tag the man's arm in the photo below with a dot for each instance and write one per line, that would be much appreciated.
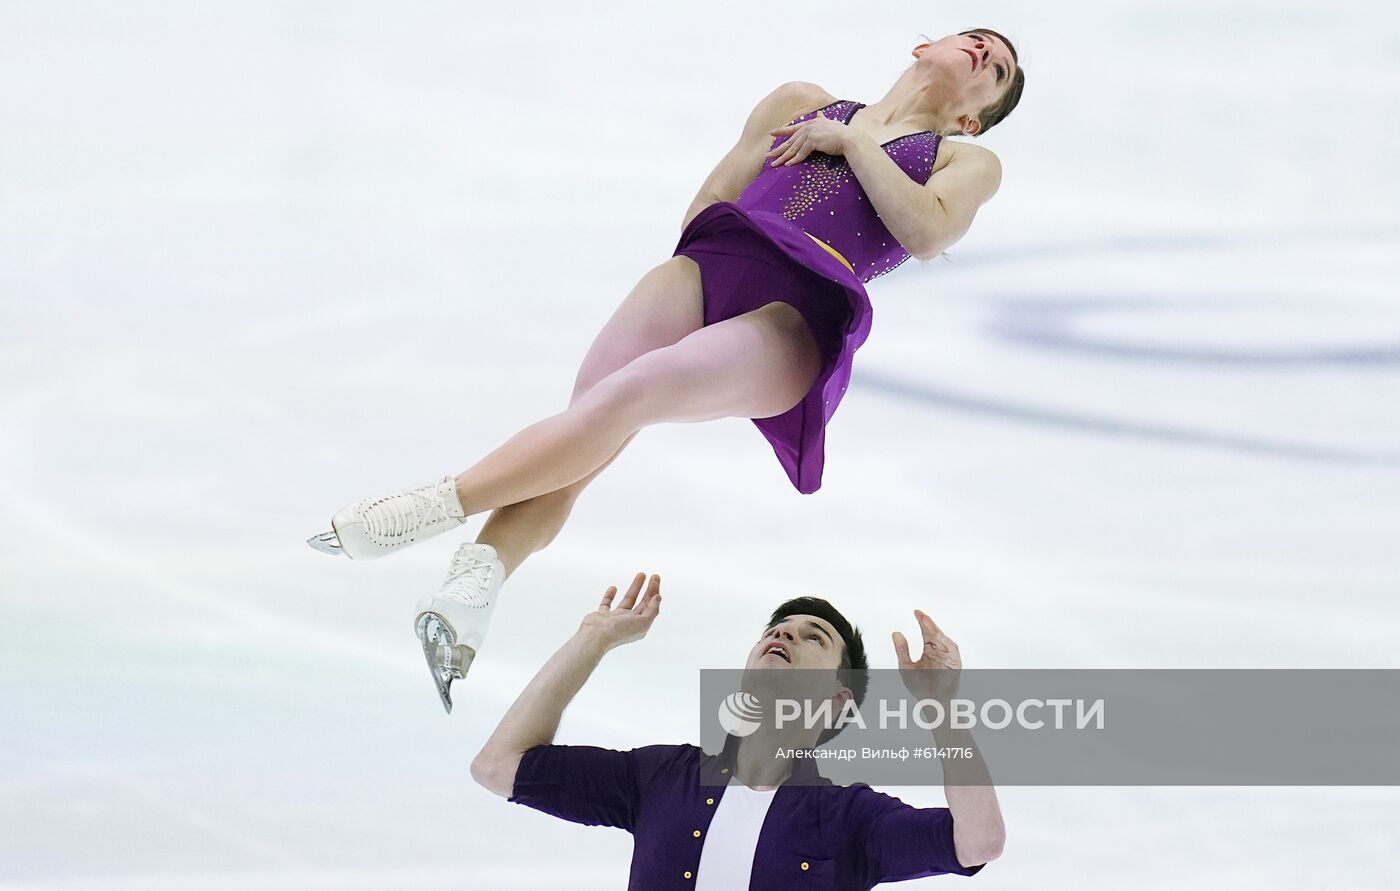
(744, 161)
(978, 831)
(534, 717)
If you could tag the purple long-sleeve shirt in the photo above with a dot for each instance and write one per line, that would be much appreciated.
(817, 835)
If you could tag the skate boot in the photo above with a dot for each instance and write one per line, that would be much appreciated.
(373, 527)
(451, 622)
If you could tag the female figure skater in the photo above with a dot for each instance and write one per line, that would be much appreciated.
(757, 315)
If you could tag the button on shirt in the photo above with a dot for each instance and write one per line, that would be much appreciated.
(817, 836)
(726, 860)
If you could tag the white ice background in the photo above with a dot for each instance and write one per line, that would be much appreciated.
(258, 259)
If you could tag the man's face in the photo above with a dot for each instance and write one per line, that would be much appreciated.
(798, 641)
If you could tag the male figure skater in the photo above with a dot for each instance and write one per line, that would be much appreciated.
(759, 831)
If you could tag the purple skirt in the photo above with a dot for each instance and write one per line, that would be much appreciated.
(751, 258)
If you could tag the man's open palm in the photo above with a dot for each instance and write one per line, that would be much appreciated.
(631, 619)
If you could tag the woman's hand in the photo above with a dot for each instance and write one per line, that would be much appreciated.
(935, 674)
(819, 134)
(630, 621)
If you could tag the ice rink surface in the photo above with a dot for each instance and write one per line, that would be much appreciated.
(259, 259)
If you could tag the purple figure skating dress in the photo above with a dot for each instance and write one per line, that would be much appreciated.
(761, 248)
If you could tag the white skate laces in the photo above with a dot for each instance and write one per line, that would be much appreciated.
(373, 527)
(397, 519)
(469, 579)
(451, 622)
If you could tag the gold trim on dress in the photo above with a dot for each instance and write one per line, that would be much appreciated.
(831, 250)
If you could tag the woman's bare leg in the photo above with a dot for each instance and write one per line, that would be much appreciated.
(663, 307)
(518, 530)
(755, 365)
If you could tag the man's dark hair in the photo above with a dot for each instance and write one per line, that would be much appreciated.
(855, 670)
(996, 112)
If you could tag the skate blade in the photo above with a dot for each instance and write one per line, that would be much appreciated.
(326, 543)
(447, 662)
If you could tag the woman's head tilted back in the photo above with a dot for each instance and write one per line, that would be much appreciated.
(983, 72)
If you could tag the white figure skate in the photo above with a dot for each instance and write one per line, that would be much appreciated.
(451, 622)
(373, 527)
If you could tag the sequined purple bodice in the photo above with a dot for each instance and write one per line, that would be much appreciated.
(822, 195)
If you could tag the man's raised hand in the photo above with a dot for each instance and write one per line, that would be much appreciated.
(631, 619)
(934, 675)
